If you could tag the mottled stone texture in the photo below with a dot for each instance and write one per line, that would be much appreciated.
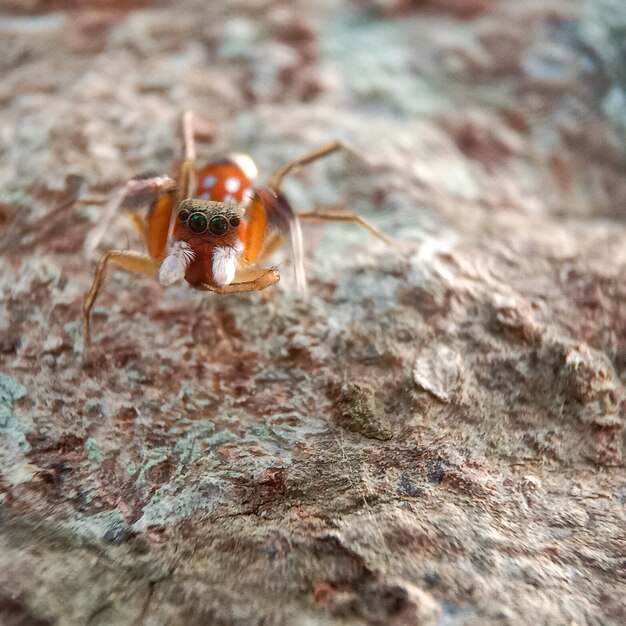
(435, 436)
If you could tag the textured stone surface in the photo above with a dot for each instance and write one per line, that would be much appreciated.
(435, 436)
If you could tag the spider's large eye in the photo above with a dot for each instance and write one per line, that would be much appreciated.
(183, 215)
(197, 223)
(218, 225)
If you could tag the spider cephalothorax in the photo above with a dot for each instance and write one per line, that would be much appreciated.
(199, 229)
(206, 243)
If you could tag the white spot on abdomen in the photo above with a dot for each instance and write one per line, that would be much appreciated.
(232, 184)
(209, 181)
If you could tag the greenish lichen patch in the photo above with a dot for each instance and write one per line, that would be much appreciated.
(94, 451)
(13, 431)
(10, 392)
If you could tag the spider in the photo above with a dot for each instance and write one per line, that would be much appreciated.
(197, 229)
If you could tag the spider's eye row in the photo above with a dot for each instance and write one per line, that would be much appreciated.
(218, 225)
(197, 223)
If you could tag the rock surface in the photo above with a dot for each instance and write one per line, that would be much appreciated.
(435, 436)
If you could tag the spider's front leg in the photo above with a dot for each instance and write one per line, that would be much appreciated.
(272, 219)
(137, 186)
(155, 230)
(275, 183)
(151, 185)
(130, 261)
(276, 180)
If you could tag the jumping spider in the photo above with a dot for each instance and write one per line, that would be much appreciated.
(199, 229)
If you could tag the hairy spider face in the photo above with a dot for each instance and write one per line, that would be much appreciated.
(207, 241)
(203, 217)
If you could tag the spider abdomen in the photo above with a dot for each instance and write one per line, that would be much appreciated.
(223, 181)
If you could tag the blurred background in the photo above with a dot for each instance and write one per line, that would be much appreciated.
(511, 104)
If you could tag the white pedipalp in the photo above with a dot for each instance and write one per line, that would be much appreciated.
(175, 264)
(225, 263)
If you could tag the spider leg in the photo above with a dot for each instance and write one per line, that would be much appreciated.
(254, 280)
(272, 242)
(269, 207)
(346, 217)
(187, 171)
(130, 261)
(156, 237)
(134, 187)
(276, 179)
(270, 213)
(158, 224)
(141, 224)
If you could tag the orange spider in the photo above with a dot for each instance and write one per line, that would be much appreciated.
(195, 227)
